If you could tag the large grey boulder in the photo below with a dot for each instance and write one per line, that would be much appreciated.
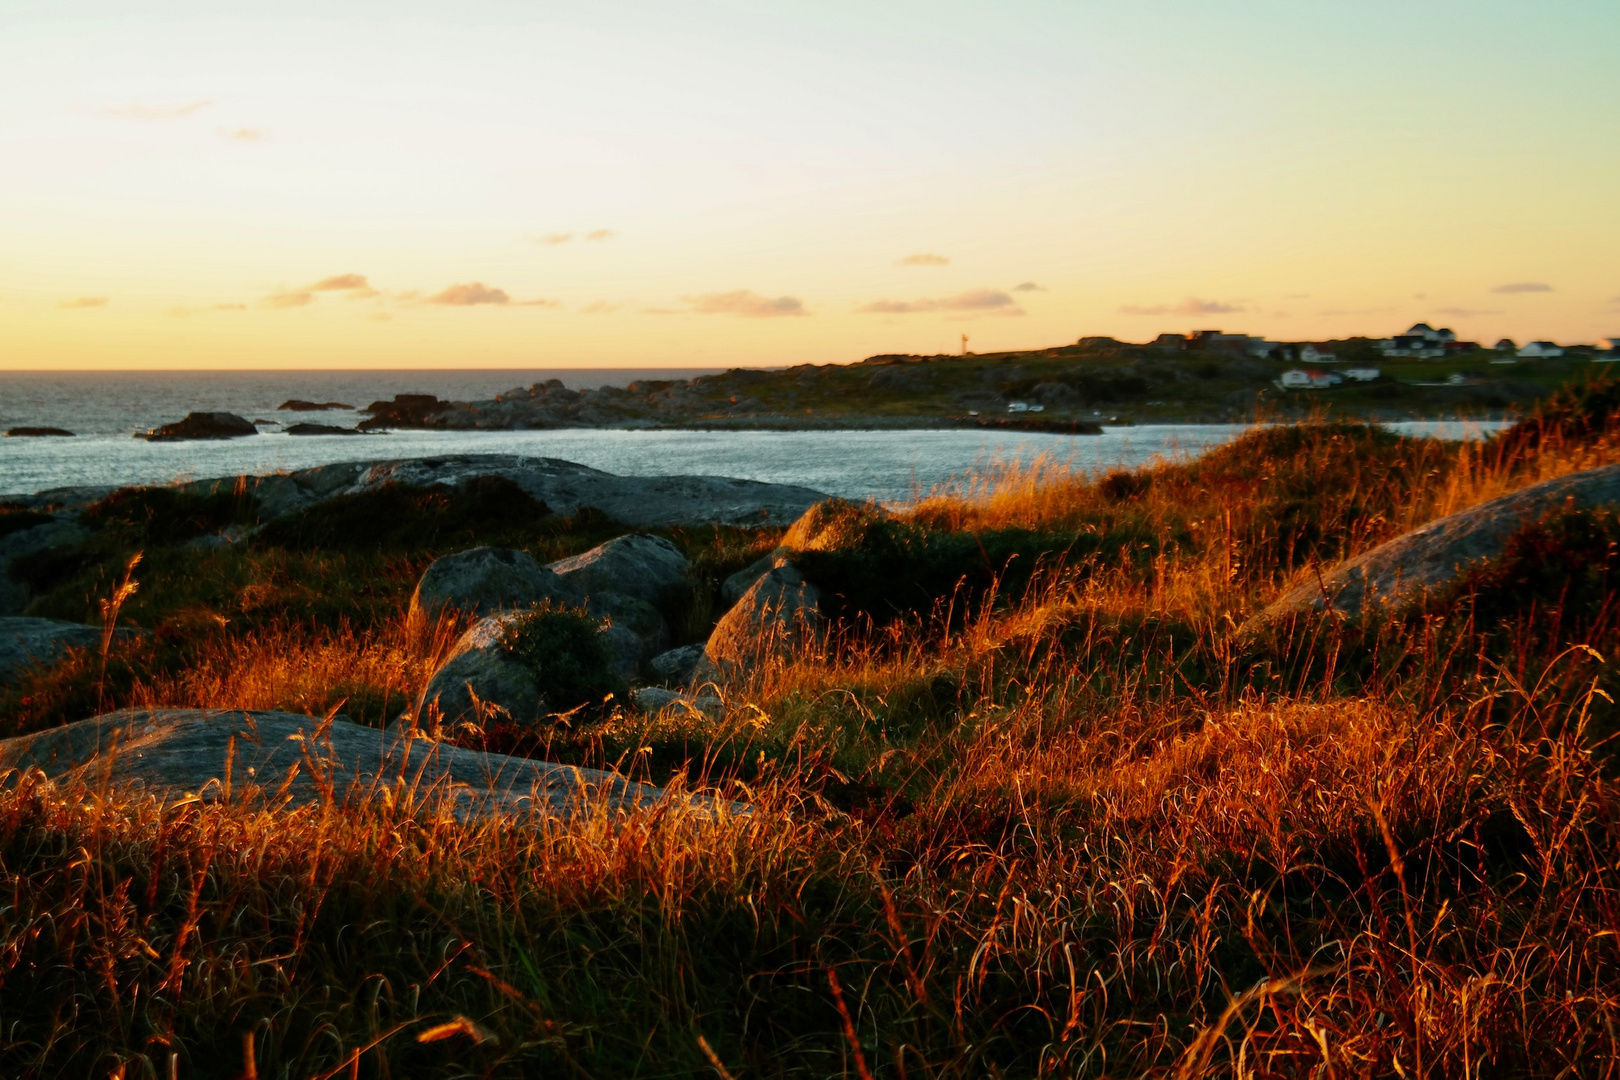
(484, 580)
(779, 614)
(285, 757)
(676, 666)
(1401, 572)
(564, 486)
(481, 674)
(735, 585)
(647, 567)
(25, 642)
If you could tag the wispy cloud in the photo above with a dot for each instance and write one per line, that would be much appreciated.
(1028, 286)
(1523, 287)
(81, 302)
(600, 234)
(982, 300)
(290, 298)
(553, 239)
(355, 285)
(341, 283)
(245, 134)
(157, 112)
(1463, 313)
(1190, 306)
(540, 303)
(748, 304)
(600, 307)
(471, 294)
(924, 259)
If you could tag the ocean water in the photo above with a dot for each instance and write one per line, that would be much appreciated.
(889, 466)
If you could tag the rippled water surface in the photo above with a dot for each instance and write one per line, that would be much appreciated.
(886, 465)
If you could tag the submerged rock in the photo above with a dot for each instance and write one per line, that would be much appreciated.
(1402, 571)
(201, 425)
(321, 429)
(224, 754)
(38, 432)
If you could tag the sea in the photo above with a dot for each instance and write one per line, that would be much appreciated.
(105, 409)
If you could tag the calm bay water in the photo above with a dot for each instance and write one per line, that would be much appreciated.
(885, 465)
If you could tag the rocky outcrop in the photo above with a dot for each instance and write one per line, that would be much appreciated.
(201, 425)
(655, 699)
(300, 405)
(565, 487)
(1400, 572)
(293, 759)
(484, 580)
(38, 433)
(48, 534)
(780, 613)
(413, 411)
(735, 585)
(25, 642)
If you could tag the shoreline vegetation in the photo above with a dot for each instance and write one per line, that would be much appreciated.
(1038, 800)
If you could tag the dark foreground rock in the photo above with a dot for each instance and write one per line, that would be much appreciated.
(44, 533)
(201, 425)
(24, 642)
(289, 758)
(1400, 572)
(38, 433)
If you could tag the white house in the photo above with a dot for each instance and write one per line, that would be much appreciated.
(1362, 374)
(1310, 354)
(1610, 343)
(1539, 350)
(1018, 406)
(1422, 342)
(1308, 379)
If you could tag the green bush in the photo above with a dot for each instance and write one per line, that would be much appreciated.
(568, 653)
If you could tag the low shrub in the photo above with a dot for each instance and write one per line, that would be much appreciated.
(567, 651)
(408, 517)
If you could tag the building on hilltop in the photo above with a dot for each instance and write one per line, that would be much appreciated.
(1308, 379)
(1421, 342)
(1507, 345)
(1539, 350)
(1316, 354)
(1215, 341)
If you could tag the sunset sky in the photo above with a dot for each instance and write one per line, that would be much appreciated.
(483, 184)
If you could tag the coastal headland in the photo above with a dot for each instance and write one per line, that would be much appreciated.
(1068, 388)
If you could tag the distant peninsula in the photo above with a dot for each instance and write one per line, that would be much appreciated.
(1206, 377)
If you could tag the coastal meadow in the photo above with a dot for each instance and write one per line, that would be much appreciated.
(1039, 802)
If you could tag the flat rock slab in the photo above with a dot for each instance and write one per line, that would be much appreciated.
(26, 641)
(1400, 572)
(298, 759)
(564, 486)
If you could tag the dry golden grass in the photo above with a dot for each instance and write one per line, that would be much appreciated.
(1079, 832)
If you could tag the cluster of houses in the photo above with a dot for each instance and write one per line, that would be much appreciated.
(1424, 342)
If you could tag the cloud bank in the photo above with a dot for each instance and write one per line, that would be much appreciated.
(1523, 287)
(749, 305)
(983, 300)
(471, 294)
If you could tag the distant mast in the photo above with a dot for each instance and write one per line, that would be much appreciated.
(964, 344)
